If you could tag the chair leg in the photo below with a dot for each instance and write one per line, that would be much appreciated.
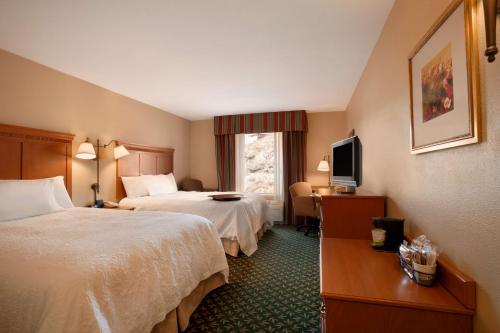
(312, 227)
(302, 226)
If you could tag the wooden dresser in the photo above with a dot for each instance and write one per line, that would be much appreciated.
(363, 290)
(349, 215)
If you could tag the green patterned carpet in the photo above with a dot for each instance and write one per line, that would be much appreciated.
(274, 290)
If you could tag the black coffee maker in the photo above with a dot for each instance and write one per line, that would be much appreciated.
(394, 232)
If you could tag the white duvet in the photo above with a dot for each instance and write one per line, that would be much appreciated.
(235, 220)
(99, 270)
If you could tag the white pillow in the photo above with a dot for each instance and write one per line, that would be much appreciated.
(160, 184)
(173, 183)
(135, 186)
(61, 194)
(25, 198)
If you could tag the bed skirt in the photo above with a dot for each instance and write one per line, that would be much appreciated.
(232, 247)
(177, 320)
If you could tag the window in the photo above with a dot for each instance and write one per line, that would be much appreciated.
(259, 164)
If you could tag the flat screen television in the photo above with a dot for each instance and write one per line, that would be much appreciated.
(346, 162)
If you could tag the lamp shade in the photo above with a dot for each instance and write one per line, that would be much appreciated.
(120, 151)
(86, 151)
(323, 165)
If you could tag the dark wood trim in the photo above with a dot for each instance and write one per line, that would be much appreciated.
(34, 134)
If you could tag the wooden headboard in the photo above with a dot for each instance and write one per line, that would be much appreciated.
(29, 153)
(143, 160)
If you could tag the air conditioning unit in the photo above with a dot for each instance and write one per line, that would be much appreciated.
(275, 213)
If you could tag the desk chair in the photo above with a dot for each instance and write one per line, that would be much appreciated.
(305, 204)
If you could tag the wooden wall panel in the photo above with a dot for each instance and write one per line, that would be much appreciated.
(30, 153)
(129, 166)
(165, 164)
(10, 159)
(148, 163)
(145, 160)
(43, 159)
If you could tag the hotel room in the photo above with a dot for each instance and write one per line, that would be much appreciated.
(230, 166)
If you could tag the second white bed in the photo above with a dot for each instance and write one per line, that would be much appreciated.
(242, 221)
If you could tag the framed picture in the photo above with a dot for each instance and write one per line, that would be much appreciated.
(444, 82)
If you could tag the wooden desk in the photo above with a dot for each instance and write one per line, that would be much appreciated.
(323, 190)
(365, 291)
(350, 215)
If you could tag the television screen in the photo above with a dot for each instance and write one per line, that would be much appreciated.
(346, 162)
(342, 156)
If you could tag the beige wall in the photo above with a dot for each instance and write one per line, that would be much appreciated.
(36, 96)
(451, 195)
(324, 129)
(203, 162)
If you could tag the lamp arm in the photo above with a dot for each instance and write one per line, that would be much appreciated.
(110, 142)
(107, 144)
(98, 156)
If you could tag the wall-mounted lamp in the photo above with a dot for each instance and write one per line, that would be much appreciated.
(86, 151)
(324, 166)
(120, 151)
(491, 10)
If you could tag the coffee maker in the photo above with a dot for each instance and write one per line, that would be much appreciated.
(394, 232)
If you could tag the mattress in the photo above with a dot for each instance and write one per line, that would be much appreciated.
(235, 220)
(99, 270)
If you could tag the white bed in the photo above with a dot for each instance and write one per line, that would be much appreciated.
(239, 223)
(66, 269)
(98, 270)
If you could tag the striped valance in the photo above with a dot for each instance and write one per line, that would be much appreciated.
(268, 122)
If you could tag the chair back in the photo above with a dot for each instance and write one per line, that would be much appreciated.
(190, 184)
(300, 189)
(303, 202)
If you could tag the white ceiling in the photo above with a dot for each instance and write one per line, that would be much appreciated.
(200, 58)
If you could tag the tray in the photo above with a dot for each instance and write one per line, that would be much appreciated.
(227, 197)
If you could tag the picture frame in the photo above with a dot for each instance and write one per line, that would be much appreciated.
(444, 82)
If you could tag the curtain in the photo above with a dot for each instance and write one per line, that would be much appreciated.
(225, 150)
(293, 125)
(294, 166)
(269, 122)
